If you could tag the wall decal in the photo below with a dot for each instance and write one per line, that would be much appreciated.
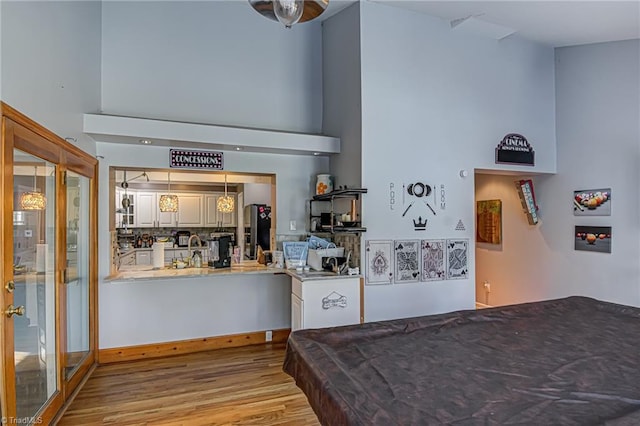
(489, 221)
(419, 225)
(592, 202)
(407, 209)
(592, 238)
(392, 196)
(432, 260)
(407, 266)
(379, 262)
(430, 208)
(419, 189)
(514, 149)
(460, 226)
(457, 259)
(334, 300)
(442, 197)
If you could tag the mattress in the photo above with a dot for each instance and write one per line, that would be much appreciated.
(572, 361)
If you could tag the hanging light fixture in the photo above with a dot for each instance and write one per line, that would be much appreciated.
(290, 12)
(225, 203)
(33, 200)
(168, 203)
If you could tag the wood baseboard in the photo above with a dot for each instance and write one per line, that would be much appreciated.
(159, 350)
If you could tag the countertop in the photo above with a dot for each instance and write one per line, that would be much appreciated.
(147, 272)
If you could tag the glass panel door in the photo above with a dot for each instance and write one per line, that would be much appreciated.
(77, 272)
(33, 300)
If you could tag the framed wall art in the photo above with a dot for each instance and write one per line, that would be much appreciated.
(457, 266)
(379, 262)
(489, 221)
(407, 253)
(592, 202)
(432, 261)
(592, 238)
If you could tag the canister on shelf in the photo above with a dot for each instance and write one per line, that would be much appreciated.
(324, 184)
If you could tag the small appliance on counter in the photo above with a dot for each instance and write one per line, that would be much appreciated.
(182, 238)
(220, 247)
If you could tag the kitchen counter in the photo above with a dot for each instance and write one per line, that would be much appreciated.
(147, 272)
(316, 275)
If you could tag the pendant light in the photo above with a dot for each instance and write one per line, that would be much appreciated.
(225, 203)
(168, 203)
(33, 200)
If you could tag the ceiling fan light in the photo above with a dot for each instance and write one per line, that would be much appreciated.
(288, 12)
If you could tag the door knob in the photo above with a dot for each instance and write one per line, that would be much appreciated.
(14, 310)
(10, 286)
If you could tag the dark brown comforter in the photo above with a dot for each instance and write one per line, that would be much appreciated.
(573, 361)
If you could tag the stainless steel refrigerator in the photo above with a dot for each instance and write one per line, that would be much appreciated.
(257, 229)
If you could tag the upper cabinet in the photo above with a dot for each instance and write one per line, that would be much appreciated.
(194, 210)
(219, 219)
(190, 210)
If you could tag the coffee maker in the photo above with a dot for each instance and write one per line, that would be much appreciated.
(220, 247)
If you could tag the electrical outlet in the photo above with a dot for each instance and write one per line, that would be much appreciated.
(268, 336)
(292, 225)
(487, 286)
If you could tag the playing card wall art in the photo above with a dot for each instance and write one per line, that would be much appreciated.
(379, 261)
(433, 264)
(406, 261)
(457, 263)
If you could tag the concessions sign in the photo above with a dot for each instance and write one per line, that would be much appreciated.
(514, 149)
(190, 159)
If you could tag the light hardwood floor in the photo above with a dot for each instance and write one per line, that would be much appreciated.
(227, 386)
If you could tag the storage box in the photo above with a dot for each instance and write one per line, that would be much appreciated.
(314, 258)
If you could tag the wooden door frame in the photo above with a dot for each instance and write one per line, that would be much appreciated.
(20, 132)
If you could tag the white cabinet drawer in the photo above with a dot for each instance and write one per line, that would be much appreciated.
(296, 287)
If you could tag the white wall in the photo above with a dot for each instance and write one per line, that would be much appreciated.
(257, 193)
(435, 102)
(217, 62)
(341, 93)
(51, 63)
(598, 131)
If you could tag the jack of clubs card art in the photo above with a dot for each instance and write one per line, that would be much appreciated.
(432, 260)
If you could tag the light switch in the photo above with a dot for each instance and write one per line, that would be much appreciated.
(292, 225)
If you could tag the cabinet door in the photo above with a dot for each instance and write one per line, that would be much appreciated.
(190, 210)
(331, 303)
(165, 219)
(143, 258)
(297, 313)
(146, 208)
(228, 219)
(211, 210)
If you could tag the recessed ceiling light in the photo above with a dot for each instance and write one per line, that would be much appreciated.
(145, 142)
(316, 153)
(238, 148)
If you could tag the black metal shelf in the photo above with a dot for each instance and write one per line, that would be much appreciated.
(341, 193)
(353, 193)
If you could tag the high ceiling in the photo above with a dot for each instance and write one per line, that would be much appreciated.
(555, 23)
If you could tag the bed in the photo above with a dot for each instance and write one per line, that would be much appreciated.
(571, 361)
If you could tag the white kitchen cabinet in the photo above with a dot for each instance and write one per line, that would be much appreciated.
(190, 210)
(126, 218)
(143, 257)
(215, 218)
(148, 214)
(146, 210)
(325, 302)
(128, 259)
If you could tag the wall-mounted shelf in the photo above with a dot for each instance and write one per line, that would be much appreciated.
(333, 226)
